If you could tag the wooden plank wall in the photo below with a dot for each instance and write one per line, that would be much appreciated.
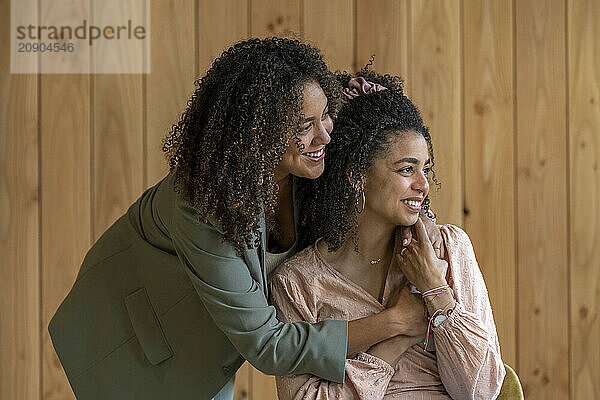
(541, 201)
(510, 89)
(20, 298)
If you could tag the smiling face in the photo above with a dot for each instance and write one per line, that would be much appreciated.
(305, 155)
(396, 184)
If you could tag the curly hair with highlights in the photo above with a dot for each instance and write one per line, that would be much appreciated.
(236, 128)
(364, 129)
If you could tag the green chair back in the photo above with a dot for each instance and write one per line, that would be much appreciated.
(511, 387)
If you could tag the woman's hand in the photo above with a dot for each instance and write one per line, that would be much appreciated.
(409, 313)
(419, 262)
(433, 232)
(391, 349)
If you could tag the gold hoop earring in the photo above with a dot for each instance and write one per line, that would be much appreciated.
(364, 203)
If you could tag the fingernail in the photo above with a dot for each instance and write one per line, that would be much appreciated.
(405, 242)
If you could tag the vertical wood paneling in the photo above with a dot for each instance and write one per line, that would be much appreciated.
(65, 187)
(584, 132)
(220, 24)
(275, 18)
(263, 386)
(542, 199)
(117, 147)
(329, 25)
(118, 150)
(65, 156)
(383, 31)
(171, 80)
(19, 222)
(97, 153)
(435, 84)
(243, 383)
(65, 147)
(489, 153)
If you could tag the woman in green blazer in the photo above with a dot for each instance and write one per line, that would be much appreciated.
(173, 296)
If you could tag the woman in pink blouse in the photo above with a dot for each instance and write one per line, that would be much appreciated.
(377, 179)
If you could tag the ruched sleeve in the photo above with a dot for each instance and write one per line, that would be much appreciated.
(466, 344)
(367, 376)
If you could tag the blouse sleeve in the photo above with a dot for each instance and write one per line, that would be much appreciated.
(467, 347)
(367, 376)
(238, 305)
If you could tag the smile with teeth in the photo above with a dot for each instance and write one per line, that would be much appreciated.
(412, 203)
(315, 155)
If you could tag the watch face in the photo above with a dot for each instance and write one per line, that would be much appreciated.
(438, 320)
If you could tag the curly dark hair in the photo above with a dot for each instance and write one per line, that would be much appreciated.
(362, 132)
(236, 128)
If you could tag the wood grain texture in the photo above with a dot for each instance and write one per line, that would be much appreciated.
(263, 386)
(383, 31)
(542, 199)
(243, 383)
(584, 135)
(329, 25)
(171, 81)
(65, 210)
(489, 157)
(117, 147)
(220, 24)
(528, 105)
(65, 13)
(117, 141)
(435, 85)
(65, 185)
(276, 18)
(19, 222)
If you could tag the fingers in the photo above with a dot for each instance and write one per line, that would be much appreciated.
(404, 237)
(421, 246)
(437, 244)
(444, 269)
(420, 231)
(435, 236)
(404, 249)
(437, 247)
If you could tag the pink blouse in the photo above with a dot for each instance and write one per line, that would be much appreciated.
(462, 362)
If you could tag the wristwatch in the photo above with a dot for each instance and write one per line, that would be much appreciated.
(437, 321)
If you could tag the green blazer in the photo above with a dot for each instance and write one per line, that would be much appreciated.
(162, 308)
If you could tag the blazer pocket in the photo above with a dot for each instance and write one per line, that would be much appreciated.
(147, 327)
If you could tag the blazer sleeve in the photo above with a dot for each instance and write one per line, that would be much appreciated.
(239, 307)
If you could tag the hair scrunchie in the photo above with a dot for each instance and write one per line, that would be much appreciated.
(359, 86)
